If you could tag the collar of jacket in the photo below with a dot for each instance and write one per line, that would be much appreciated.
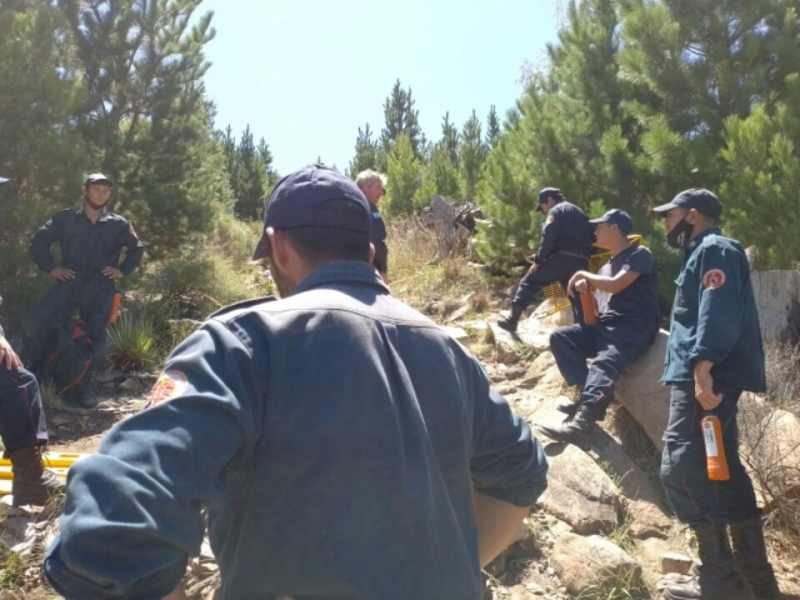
(347, 271)
(696, 241)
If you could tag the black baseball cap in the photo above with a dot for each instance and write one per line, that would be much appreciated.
(700, 199)
(98, 178)
(298, 200)
(546, 193)
(617, 217)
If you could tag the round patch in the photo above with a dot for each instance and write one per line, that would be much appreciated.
(168, 386)
(713, 279)
(549, 219)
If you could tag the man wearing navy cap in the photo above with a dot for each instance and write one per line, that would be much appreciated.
(714, 353)
(565, 248)
(91, 239)
(343, 444)
(626, 290)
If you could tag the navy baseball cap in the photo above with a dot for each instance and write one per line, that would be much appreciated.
(98, 178)
(700, 199)
(298, 200)
(617, 217)
(546, 193)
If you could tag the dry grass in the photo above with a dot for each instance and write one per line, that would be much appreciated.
(436, 287)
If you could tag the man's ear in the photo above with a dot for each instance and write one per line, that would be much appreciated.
(277, 242)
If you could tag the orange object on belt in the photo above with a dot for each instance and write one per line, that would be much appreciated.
(589, 308)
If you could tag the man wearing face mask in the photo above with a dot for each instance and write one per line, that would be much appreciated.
(714, 353)
(91, 240)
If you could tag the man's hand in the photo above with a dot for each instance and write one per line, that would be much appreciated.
(532, 269)
(704, 385)
(578, 283)
(8, 357)
(63, 274)
(112, 273)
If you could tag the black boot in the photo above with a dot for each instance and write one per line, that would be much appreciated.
(32, 483)
(82, 395)
(510, 322)
(750, 556)
(718, 578)
(577, 431)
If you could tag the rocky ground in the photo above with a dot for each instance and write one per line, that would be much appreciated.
(601, 531)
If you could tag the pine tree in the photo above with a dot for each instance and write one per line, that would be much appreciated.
(450, 140)
(473, 155)
(366, 156)
(145, 119)
(492, 127)
(404, 172)
(400, 117)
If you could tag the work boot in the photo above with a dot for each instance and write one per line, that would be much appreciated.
(509, 323)
(32, 483)
(718, 578)
(577, 431)
(82, 395)
(750, 556)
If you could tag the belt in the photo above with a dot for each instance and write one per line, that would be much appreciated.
(573, 254)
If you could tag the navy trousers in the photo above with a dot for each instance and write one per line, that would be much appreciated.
(613, 348)
(559, 268)
(21, 417)
(91, 296)
(696, 500)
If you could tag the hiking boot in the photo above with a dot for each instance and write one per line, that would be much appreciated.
(510, 321)
(750, 557)
(32, 483)
(576, 431)
(81, 395)
(718, 578)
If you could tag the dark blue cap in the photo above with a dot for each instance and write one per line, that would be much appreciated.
(616, 217)
(98, 178)
(298, 200)
(549, 192)
(700, 199)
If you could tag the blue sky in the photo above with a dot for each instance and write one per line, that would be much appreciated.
(305, 75)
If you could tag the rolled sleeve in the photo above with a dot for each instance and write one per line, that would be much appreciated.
(133, 510)
(508, 462)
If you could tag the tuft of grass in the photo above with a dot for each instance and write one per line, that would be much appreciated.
(628, 585)
(134, 343)
(12, 567)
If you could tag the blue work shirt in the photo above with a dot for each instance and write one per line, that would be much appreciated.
(566, 228)
(335, 436)
(377, 235)
(640, 299)
(714, 316)
(86, 247)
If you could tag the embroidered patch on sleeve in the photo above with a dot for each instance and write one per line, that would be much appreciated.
(549, 219)
(713, 279)
(170, 385)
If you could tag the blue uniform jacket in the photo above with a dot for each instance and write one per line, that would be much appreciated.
(566, 229)
(335, 436)
(714, 316)
(87, 247)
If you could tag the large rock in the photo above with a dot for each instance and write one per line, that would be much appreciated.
(590, 564)
(639, 390)
(579, 492)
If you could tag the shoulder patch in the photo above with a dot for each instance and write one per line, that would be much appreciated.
(170, 385)
(549, 219)
(713, 279)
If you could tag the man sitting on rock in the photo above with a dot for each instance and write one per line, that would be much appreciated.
(628, 313)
